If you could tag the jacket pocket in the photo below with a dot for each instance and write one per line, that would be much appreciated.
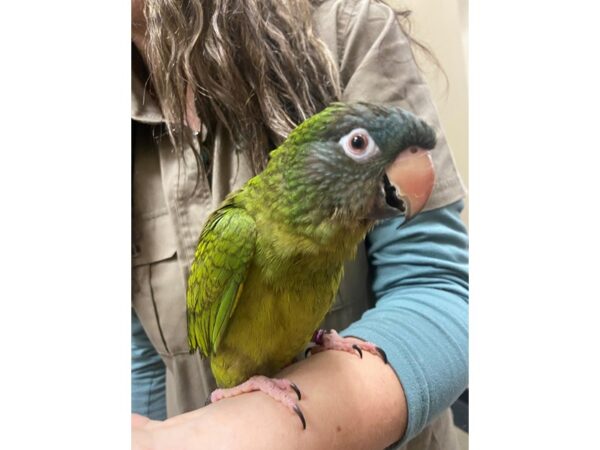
(153, 238)
(158, 283)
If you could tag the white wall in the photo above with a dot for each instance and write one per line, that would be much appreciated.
(442, 25)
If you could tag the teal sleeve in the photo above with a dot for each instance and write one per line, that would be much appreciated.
(420, 282)
(148, 375)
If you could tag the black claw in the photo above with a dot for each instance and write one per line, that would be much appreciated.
(297, 411)
(358, 349)
(307, 352)
(296, 390)
(382, 353)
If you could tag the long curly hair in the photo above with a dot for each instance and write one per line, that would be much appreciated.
(255, 67)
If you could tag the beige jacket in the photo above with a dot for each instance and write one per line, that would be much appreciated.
(376, 65)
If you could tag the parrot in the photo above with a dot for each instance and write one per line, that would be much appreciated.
(269, 260)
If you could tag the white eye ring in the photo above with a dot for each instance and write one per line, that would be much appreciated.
(359, 145)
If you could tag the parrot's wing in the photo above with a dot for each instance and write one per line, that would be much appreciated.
(217, 275)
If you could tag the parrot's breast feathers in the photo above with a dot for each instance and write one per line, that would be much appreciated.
(276, 247)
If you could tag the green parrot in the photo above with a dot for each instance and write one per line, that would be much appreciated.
(270, 259)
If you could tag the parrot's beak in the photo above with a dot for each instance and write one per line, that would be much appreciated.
(406, 186)
(409, 180)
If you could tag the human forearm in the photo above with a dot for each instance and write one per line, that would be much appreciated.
(348, 403)
(428, 353)
(420, 320)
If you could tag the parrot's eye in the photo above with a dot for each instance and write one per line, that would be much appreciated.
(359, 142)
(358, 145)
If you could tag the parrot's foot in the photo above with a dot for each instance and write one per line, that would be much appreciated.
(277, 389)
(331, 340)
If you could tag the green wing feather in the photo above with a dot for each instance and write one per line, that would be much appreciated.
(217, 275)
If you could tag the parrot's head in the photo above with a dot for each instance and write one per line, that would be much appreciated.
(359, 162)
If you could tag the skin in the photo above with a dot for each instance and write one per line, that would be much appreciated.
(359, 403)
(270, 259)
(138, 22)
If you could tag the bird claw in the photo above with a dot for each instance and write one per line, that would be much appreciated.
(297, 391)
(307, 352)
(298, 411)
(382, 354)
(277, 389)
(357, 348)
(331, 340)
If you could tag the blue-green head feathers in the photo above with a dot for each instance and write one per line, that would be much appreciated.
(333, 163)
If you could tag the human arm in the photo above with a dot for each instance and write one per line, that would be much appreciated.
(376, 66)
(420, 281)
(412, 286)
(148, 374)
(348, 402)
(420, 320)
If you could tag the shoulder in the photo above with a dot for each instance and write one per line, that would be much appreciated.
(376, 64)
(344, 16)
(355, 30)
(349, 11)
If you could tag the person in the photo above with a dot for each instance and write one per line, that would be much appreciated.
(216, 84)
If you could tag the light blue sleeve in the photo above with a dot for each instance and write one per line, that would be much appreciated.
(148, 375)
(420, 281)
